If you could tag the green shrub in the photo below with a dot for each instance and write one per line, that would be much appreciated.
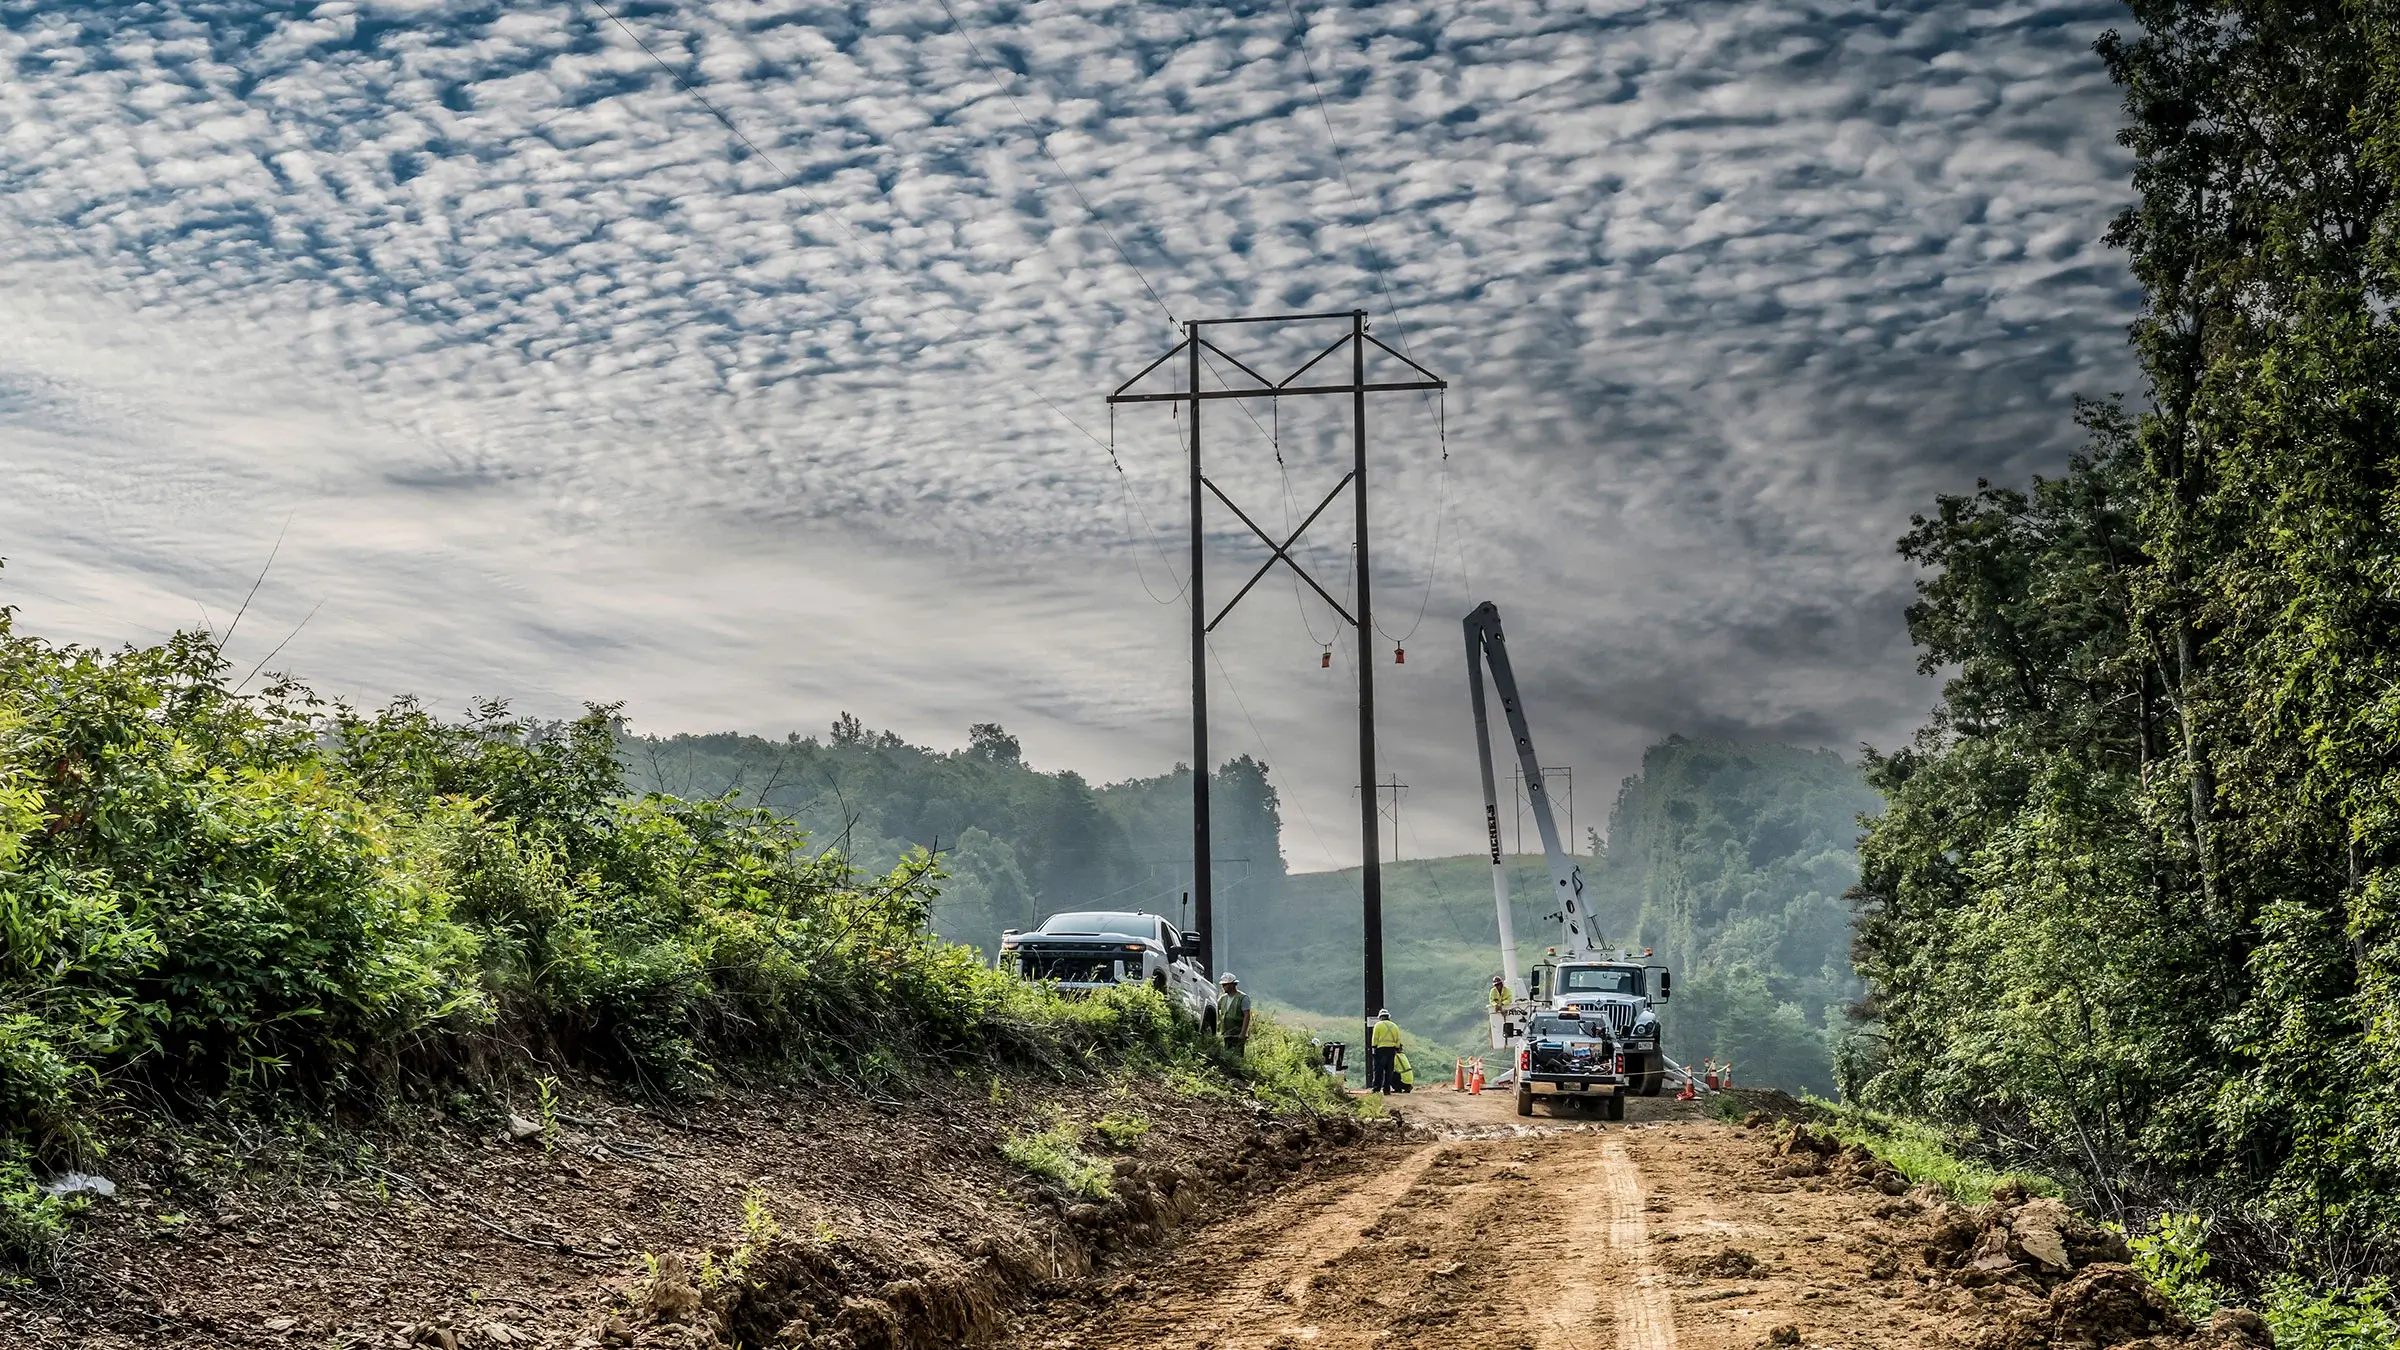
(2303, 1318)
(31, 1223)
(1286, 1073)
(1056, 1154)
(1121, 1130)
(242, 895)
(2174, 1256)
(1923, 1155)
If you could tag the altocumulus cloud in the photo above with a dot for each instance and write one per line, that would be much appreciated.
(554, 387)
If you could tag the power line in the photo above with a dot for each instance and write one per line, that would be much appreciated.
(793, 181)
(1260, 737)
(1041, 143)
(1341, 164)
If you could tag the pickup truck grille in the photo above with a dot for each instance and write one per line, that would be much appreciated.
(1619, 1015)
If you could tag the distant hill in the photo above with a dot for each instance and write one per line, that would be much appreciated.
(1730, 860)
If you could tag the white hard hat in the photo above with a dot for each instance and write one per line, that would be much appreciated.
(1383, 1012)
(1227, 978)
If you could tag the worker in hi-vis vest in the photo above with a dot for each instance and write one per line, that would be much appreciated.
(1499, 994)
(1383, 1047)
(1233, 1014)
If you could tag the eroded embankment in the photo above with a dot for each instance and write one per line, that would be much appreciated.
(801, 1220)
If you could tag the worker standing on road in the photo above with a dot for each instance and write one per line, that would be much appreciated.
(1383, 1048)
(1233, 1015)
(1499, 994)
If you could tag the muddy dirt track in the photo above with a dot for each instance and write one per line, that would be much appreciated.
(1557, 1233)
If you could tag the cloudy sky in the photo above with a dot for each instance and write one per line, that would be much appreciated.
(554, 387)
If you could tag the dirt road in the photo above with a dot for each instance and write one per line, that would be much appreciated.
(1667, 1231)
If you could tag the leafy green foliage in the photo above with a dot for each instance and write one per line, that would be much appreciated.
(1924, 1155)
(1285, 1072)
(1055, 1153)
(1121, 1129)
(243, 896)
(2174, 1256)
(2130, 905)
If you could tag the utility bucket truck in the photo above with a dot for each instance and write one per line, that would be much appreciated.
(1617, 988)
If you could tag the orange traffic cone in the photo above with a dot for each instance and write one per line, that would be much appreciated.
(1475, 1083)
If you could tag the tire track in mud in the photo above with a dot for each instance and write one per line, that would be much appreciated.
(1645, 1312)
(1251, 1285)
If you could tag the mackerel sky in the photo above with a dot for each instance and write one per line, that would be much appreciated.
(554, 388)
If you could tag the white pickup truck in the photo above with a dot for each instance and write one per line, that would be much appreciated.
(1094, 949)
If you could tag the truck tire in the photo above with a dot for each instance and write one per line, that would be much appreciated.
(1208, 1021)
(1653, 1077)
(1158, 980)
(1616, 1106)
(1524, 1100)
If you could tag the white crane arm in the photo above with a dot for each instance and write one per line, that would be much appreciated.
(1486, 647)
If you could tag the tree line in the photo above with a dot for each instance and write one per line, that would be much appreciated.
(2131, 908)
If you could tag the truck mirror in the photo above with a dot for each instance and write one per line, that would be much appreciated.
(1666, 985)
(1192, 940)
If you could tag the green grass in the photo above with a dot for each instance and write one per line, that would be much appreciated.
(1121, 1130)
(1923, 1154)
(1056, 1154)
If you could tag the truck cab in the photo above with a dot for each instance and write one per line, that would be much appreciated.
(1623, 992)
(1084, 950)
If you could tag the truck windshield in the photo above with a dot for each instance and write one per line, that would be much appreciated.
(1599, 980)
(1125, 925)
(1067, 969)
(1563, 1028)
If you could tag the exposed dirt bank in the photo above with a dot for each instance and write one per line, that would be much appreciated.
(820, 1220)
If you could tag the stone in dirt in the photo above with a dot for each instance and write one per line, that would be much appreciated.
(521, 1129)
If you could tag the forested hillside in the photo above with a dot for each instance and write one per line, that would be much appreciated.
(1017, 842)
(1731, 862)
(2134, 906)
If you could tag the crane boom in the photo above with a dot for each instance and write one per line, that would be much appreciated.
(1486, 647)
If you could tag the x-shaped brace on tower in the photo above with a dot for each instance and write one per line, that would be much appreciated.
(1361, 615)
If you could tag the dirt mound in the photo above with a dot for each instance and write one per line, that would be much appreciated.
(2091, 1299)
(1814, 1153)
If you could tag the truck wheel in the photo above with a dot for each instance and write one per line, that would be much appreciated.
(1158, 981)
(1653, 1077)
(1616, 1106)
(1208, 1021)
(1524, 1101)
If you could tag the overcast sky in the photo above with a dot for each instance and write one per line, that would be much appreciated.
(556, 390)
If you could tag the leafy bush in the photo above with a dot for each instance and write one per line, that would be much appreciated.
(1285, 1072)
(238, 896)
(1056, 1154)
(2174, 1256)
(2310, 1319)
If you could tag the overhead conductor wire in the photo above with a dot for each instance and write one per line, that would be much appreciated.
(793, 181)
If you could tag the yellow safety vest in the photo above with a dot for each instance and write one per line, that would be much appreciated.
(1499, 998)
(1386, 1034)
